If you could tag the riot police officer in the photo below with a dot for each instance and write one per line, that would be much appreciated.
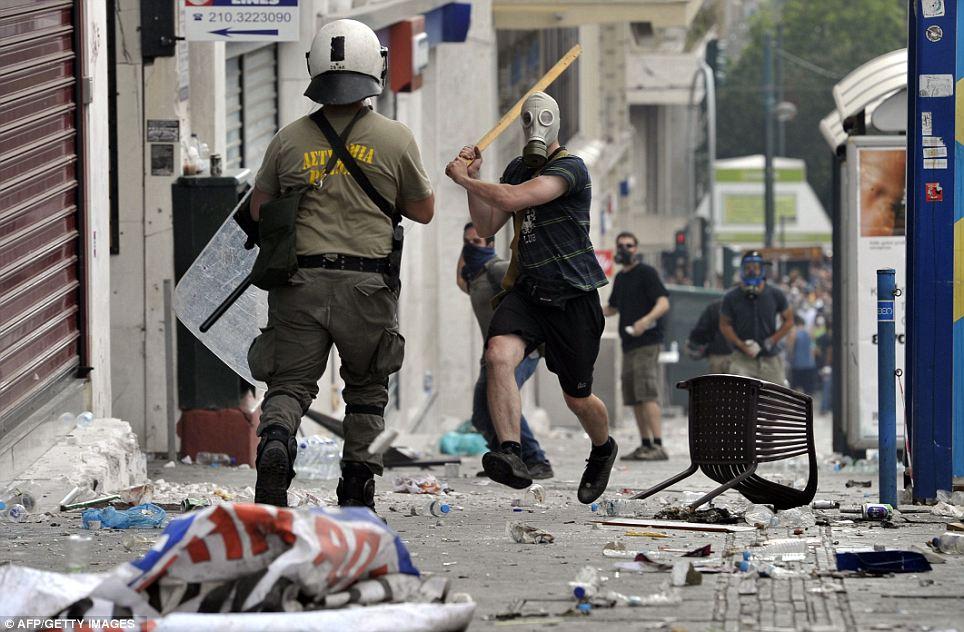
(354, 173)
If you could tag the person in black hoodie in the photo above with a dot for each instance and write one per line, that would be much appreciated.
(707, 341)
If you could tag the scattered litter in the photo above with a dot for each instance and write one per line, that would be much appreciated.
(187, 459)
(137, 494)
(666, 597)
(797, 517)
(951, 543)
(703, 551)
(947, 510)
(421, 484)
(645, 534)
(244, 466)
(785, 549)
(624, 507)
(712, 515)
(146, 516)
(854, 483)
(462, 444)
(684, 574)
(882, 562)
(169, 465)
(760, 516)
(955, 526)
(825, 504)
(586, 584)
(644, 562)
(955, 498)
(827, 588)
(534, 496)
(527, 534)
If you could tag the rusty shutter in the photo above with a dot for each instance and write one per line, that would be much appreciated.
(39, 201)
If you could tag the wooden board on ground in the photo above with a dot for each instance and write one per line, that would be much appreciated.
(676, 524)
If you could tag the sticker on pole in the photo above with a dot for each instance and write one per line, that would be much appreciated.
(240, 20)
(933, 192)
(885, 311)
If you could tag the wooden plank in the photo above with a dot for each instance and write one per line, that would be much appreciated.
(677, 525)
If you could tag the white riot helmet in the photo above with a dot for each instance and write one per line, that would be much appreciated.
(347, 63)
(540, 120)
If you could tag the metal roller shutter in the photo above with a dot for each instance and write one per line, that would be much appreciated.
(39, 216)
(251, 82)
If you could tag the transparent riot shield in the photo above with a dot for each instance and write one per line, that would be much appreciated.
(220, 271)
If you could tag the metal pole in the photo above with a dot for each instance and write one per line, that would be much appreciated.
(781, 125)
(768, 107)
(886, 387)
(169, 369)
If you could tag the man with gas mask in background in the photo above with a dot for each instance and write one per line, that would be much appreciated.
(640, 299)
(550, 292)
(748, 320)
(479, 274)
(350, 174)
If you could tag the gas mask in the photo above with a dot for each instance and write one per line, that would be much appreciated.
(540, 121)
(752, 274)
(623, 256)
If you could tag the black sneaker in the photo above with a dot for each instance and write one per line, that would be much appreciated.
(540, 470)
(356, 487)
(506, 468)
(276, 457)
(596, 476)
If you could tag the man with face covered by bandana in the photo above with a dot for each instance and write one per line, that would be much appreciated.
(748, 320)
(551, 289)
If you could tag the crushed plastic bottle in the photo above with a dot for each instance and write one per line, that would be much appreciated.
(85, 418)
(586, 584)
(760, 515)
(798, 517)
(14, 512)
(534, 496)
(667, 597)
(951, 543)
(688, 498)
(20, 494)
(438, 509)
(214, 459)
(624, 507)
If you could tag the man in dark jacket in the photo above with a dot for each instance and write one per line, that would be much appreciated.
(708, 340)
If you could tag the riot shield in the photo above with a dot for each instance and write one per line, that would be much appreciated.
(220, 269)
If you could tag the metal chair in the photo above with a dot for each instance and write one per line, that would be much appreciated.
(736, 423)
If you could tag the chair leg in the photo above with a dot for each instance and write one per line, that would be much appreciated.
(670, 481)
(722, 488)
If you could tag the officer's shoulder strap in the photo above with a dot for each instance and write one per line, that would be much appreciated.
(339, 149)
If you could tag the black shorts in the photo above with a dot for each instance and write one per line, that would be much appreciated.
(570, 333)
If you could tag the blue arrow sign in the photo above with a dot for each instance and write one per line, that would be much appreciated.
(228, 32)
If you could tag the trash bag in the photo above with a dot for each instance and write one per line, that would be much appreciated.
(146, 516)
(460, 444)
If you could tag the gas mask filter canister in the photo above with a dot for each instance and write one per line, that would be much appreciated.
(540, 121)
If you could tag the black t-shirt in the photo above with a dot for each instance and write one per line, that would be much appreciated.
(634, 294)
(755, 318)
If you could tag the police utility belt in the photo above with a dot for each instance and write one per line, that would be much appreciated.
(278, 260)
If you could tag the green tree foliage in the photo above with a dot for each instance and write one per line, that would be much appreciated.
(835, 36)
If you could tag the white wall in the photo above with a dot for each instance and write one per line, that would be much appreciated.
(98, 211)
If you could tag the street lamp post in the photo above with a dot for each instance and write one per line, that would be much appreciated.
(769, 103)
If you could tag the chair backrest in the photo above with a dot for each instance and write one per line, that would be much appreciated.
(722, 411)
(735, 419)
(784, 423)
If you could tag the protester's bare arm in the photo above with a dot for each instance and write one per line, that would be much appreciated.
(659, 309)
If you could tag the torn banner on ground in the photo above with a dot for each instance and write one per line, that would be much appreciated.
(227, 558)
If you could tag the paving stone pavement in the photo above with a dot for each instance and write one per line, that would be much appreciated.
(471, 547)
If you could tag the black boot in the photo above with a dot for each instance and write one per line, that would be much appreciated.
(356, 487)
(275, 463)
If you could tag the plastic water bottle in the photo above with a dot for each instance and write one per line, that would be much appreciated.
(586, 584)
(85, 418)
(304, 466)
(438, 509)
(214, 459)
(332, 460)
(78, 553)
(950, 542)
(67, 419)
(14, 512)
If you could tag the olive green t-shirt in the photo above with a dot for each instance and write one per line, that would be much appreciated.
(339, 217)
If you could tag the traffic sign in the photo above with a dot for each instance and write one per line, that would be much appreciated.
(241, 20)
